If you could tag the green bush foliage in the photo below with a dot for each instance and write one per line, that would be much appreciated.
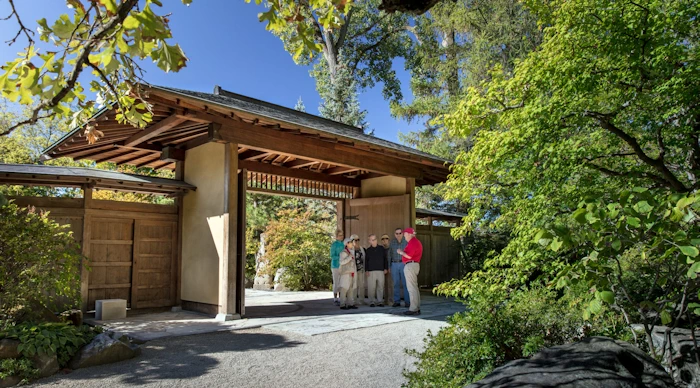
(496, 329)
(479, 245)
(61, 339)
(21, 367)
(299, 244)
(40, 261)
(639, 254)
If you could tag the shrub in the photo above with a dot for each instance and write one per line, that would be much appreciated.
(637, 254)
(21, 367)
(300, 245)
(61, 339)
(479, 245)
(40, 261)
(496, 329)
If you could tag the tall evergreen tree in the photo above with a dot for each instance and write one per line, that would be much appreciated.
(339, 95)
(300, 105)
(456, 45)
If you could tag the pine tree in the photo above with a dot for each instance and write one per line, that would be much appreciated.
(300, 105)
(339, 96)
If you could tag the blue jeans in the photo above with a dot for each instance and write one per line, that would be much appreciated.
(399, 278)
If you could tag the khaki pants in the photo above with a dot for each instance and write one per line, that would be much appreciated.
(347, 290)
(388, 289)
(360, 284)
(411, 271)
(375, 286)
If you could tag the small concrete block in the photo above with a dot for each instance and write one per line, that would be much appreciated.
(227, 317)
(107, 309)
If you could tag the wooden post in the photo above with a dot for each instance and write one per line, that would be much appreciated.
(135, 264)
(241, 241)
(411, 191)
(84, 273)
(228, 278)
(340, 214)
(179, 201)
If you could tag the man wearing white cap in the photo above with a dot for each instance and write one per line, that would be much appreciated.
(411, 259)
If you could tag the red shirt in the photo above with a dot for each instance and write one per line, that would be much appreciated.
(413, 249)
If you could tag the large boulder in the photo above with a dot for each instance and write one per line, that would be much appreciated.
(47, 364)
(10, 381)
(279, 280)
(686, 370)
(106, 348)
(596, 362)
(262, 280)
(9, 348)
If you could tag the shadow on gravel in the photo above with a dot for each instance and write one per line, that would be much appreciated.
(325, 307)
(184, 358)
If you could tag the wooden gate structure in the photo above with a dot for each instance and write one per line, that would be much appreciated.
(226, 145)
(131, 248)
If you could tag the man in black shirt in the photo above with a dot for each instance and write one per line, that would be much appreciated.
(376, 266)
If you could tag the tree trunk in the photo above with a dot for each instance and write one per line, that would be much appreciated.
(453, 87)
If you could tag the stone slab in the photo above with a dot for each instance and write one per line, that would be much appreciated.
(307, 313)
(109, 309)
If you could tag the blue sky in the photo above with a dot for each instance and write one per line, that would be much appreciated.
(228, 46)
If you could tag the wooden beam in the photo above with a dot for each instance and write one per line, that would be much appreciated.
(265, 139)
(196, 142)
(133, 158)
(172, 154)
(339, 170)
(141, 147)
(299, 163)
(253, 155)
(267, 168)
(61, 154)
(290, 194)
(90, 155)
(149, 161)
(154, 130)
(368, 175)
(106, 158)
(194, 108)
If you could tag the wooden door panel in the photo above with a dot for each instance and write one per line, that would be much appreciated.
(378, 216)
(154, 263)
(110, 256)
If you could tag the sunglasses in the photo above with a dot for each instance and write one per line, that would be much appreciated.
(357, 239)
(398, 233)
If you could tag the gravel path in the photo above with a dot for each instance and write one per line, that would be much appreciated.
(368, 357)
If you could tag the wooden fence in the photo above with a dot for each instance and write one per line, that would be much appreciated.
(132, 248)
(440, 262)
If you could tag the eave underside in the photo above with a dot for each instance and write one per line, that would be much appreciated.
(264, 145)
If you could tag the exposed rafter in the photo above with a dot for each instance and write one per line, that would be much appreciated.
(154, 130)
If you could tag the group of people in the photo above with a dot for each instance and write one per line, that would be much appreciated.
(355, 268)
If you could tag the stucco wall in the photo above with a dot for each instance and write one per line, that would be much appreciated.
(386, 186)
(202, 229)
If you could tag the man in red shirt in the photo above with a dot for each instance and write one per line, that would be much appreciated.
(411, 259)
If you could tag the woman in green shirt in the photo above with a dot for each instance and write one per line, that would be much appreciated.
(336, 248)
